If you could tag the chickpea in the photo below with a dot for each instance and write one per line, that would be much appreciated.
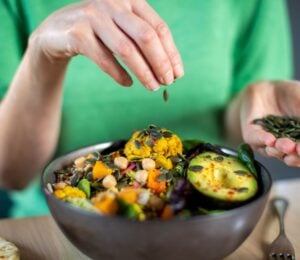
(148, 164)
(121, 162)
(60, 186)
(141, 176)
(109, 181)
(79, 162)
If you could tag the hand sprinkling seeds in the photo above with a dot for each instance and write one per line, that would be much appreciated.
(280, 126)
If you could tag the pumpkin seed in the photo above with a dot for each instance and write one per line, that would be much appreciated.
(167, 134)
(137, 144)
(196, 168)
(243, 189)
(141, 134)
(280, 126)
(89, 176)
(175, 159)
(149, 142)
(156, 134)
(96, 155)
(241, 172)
(74, 180)
(151, 127)
(166, 95)
(219, 159)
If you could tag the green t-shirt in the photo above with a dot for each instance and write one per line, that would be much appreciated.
(224, 45)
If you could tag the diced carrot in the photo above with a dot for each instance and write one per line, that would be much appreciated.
(167, 212)
(107, 205)
(100, 170)
(157, 186)
(128, 194)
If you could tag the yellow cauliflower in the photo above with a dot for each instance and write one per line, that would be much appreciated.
(153, 142)
(69, 192)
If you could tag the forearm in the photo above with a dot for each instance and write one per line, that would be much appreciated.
(30, 119)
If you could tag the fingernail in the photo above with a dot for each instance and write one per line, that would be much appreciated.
(153, 85)
(169, 78)
(178, 71)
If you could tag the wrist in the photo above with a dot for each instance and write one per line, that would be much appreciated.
(45, 72)
(40, 60)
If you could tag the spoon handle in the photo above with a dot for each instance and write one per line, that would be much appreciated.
(280, 205)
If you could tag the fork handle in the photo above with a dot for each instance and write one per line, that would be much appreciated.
(280, 205)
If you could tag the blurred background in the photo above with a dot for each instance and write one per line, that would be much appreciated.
(278, 169)
(294, 9)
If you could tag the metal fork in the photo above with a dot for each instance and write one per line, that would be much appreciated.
(281, 247)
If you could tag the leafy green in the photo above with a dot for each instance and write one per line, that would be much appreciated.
(246, 155)
(85, 186)
(191, 144)
(132, 211)
(204, 211)
(82, 203)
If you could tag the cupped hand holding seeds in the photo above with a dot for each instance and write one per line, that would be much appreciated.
(100, 29)
(280, 98)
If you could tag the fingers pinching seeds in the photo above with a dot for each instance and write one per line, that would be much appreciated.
(146, 38)
(95, 50)
(115, 40)
(146, 12)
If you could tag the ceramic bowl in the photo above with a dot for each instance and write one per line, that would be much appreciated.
(200, 237)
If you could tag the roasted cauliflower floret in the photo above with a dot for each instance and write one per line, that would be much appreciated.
(153, 142)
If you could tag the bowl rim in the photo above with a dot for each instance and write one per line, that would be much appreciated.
(97, 147)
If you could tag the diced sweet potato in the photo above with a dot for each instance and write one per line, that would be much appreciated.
(100, 170)
(157, 186)
(107, 205)
(128, 194)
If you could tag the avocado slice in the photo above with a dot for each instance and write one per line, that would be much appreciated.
(222, 178)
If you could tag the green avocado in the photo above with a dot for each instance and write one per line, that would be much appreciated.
(222, 178)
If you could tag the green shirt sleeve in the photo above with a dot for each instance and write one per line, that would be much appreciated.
(263, 48)
(10, 44)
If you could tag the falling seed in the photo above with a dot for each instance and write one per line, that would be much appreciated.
(166, 95)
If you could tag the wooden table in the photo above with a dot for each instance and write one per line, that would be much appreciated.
(40, 238)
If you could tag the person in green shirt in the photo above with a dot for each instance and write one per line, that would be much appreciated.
(55, 103)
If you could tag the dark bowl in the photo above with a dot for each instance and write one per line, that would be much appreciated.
(200, 237)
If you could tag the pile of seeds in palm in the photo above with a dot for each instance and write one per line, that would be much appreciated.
(281, 126)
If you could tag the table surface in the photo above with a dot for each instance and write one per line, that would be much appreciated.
(40, 238)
